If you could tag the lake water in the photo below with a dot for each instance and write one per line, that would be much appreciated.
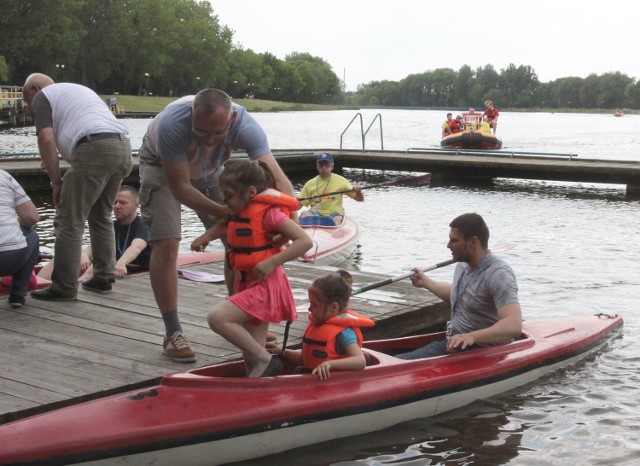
(576, 254)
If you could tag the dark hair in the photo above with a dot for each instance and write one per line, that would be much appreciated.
(471, 225)
(210, 100)
(242, 173)
(335, 287)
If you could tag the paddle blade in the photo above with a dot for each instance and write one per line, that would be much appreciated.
(409, 179)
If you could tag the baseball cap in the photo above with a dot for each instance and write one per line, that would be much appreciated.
(324, 157)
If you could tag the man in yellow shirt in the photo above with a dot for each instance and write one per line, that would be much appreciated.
(329, 183)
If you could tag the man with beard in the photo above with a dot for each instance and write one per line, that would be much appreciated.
(483, 296)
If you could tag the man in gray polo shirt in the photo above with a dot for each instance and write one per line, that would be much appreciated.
(73, 120)
(483, 296)
(181, 158)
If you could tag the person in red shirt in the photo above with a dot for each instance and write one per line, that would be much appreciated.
(456, 125)
(492, 115)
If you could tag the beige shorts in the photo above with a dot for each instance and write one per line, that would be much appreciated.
(160, 211)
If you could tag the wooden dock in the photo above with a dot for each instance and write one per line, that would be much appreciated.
(56, 353)
(447, 167)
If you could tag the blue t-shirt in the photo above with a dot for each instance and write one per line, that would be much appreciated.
(344, 339)
(171, 139)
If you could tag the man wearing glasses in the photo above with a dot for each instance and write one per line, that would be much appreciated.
(181, 158)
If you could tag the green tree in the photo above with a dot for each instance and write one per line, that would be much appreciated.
(37, 35)
(612, 88)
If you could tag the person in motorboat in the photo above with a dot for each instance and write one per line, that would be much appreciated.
(492, 115)
(332, 339)
(262, 292)
(451, 126)
(456, 125)
(485, 310)
(133, 249)
(471, 119)
(484, 126)
(446, 125)
(326, 202)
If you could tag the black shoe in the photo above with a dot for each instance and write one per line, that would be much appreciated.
(48, 294)
(16, 301)
(273, 368)
(99, 286)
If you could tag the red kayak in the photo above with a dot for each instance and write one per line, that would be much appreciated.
(215, 415)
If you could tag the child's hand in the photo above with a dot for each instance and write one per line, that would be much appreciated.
(323, 371)
(278, 239)
(263, 269)
(200, 243)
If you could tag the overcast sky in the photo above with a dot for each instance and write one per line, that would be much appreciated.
(374, 40)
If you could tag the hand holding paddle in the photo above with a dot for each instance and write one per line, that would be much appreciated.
(498, 248)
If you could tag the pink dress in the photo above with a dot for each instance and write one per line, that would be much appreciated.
(269, 300)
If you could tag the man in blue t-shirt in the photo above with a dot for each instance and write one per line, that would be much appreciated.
(181, 158)
(483, 296)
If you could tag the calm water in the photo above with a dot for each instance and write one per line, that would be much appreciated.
(576, 254)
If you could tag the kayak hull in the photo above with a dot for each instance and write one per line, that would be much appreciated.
(214, 415)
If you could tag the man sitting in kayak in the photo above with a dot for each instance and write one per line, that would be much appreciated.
(332, 339)
(326, 191)
(484, 295)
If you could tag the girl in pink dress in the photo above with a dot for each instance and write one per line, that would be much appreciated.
(262, 292)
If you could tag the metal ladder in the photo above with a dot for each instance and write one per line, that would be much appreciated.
(364, 133)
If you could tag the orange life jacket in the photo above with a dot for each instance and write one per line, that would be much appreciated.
(319, 340)
(246, 236)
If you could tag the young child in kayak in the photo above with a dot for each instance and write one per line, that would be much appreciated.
(333, 339)
(262, 292)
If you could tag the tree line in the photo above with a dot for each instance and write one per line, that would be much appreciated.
(176, 47)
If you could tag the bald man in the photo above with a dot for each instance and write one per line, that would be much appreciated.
(73, 120)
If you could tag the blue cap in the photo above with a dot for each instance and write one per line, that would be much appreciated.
(325, 157)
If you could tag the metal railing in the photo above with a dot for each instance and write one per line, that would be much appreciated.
(502, 152)
(363, 133)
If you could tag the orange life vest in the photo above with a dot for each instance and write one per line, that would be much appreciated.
(246, 236)
(319, 340)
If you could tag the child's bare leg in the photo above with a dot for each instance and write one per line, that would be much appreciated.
(232, 323)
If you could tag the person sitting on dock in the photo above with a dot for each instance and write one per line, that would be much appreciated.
(485, 310)
(326, 192)
(491, 113)
(332, 339)
(19, 250)
(133, 249)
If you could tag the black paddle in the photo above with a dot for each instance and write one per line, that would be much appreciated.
(388, 281)
(400, 180)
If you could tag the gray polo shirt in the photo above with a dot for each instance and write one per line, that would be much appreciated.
(476, 295)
